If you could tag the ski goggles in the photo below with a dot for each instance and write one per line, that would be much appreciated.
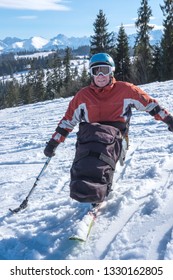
(104, 70)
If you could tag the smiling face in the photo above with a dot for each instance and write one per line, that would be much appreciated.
(101, 80)
(101, 74)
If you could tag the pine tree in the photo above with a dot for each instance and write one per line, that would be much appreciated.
(56, 77)
(27, 89)
(66, 62)
(84, 79)
(50, 94)
(143, 49)
(12, 93)
(1, 95)
(27, 93)
(122, 60)
(167, 40)
(39, 87)
(156, 64)
(102, 40)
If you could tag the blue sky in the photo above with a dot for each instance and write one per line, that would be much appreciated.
(47, 18)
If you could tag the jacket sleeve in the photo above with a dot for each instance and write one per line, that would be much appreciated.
(143, 102)
(70, 119)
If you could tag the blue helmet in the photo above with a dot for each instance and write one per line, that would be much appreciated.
(102, 59)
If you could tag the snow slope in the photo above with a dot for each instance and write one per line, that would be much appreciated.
(136, 224)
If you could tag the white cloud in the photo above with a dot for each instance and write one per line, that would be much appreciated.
(27, 17)
(129, 28)
(129, 25)
(55, 5)
(157, 27)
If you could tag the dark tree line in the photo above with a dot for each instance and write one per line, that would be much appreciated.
(13, 63)
(58, 79)
(54, 76)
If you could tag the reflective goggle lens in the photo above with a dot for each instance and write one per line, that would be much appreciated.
(101, 69)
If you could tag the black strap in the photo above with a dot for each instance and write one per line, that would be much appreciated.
(62, 131)
(100, 156)
(155, 110)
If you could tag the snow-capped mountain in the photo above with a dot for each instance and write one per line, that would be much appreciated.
(155, 37)
(16, 44)
(33, 42)
(62, 41)
(10, 44)
(39, 43)
(3, 46)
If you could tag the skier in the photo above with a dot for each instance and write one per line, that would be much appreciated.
(103, 110)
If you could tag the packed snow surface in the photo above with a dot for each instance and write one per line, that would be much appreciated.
(137, 220)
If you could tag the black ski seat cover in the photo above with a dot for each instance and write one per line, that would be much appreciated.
(98, 148)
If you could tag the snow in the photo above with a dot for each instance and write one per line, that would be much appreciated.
(81, 63)
(33, 42)
(135, 224)
(34, 55)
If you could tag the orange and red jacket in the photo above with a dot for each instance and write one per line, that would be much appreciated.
(112, 103)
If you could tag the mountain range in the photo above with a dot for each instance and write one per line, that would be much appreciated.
(13, 44)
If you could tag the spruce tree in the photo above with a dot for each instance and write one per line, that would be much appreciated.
(68, 81)
(39, 88)
(2, 95)
(156, 64)
(84, 79)
(50, 94)
(66, 62)
(12, 94)
(143, 49)
(167, 40)
(56, 77)
(122, 60)
(102, 40)
(28, 95)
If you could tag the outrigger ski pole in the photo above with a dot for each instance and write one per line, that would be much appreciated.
(24, 204)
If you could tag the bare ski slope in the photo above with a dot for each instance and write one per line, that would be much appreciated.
(136, 224)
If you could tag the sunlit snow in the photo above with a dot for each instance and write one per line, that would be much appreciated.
(136, 223)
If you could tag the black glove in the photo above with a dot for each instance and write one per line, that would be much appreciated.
(51, 146)
(169, 121)
(170, 127)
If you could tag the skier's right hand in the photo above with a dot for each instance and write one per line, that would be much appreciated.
(170, 127)
(50, 148)
(169, 122)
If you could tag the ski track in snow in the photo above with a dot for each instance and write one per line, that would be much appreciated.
(137, 221)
